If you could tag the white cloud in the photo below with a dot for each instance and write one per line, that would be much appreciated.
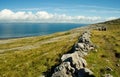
(111, 18)
(43, 15)
(7, 15)
(105, 11)
(94, 18)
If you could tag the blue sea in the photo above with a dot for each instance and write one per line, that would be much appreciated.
(15, 30)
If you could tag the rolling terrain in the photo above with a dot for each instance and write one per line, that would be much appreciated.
(108, 50)
(37, 56)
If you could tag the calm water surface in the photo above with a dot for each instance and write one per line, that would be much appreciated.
(14, 30)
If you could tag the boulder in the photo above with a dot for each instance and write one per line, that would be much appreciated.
(81, 40)
(75, 60)
(81, 45)
(78, 62)
(84, 47)
(64, 70)
(81, 53)
(85, 38)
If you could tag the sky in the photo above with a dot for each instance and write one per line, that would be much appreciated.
(59, 11)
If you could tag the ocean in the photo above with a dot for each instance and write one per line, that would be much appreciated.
(16, 30)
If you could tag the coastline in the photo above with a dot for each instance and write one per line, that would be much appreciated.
(42, 53)
(30, 36)
(17, 30)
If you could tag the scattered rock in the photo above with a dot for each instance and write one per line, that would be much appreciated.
(75, 60)
(64, 70)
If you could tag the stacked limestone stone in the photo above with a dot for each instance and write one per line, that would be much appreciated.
(73, 64)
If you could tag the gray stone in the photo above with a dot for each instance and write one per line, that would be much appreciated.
(81, 53)
(64, 70)
(77, 61)
(81, 45)
(65, 57)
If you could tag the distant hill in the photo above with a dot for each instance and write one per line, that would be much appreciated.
(116, 21)
(108, 50)
(111, 25)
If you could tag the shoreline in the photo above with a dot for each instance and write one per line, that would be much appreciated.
(9, 38)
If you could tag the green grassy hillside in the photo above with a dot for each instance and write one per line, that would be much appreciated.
(108, 44)
(36, 56)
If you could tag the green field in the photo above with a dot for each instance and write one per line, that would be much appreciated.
(108, 43)
(36, 56)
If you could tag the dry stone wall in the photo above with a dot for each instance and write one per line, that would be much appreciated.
(73, 64)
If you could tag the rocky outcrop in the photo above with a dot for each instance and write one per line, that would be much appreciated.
(73, 64)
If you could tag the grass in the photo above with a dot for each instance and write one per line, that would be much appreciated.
(108, 43)
(36, 61)
(36, 56)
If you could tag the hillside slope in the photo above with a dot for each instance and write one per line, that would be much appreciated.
(108, 50)
(36, 56)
